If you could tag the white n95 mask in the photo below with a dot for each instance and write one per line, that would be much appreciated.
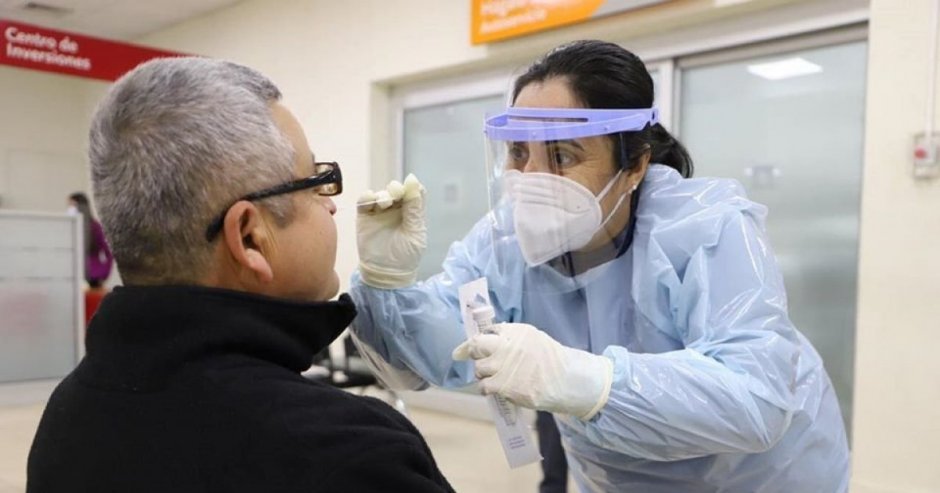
(553, 215)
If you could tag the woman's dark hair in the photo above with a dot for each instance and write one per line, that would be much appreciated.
(604, 75)
(83, 206)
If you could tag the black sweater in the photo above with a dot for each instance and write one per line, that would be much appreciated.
(187, 389)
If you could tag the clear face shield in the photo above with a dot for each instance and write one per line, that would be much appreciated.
(559, 195)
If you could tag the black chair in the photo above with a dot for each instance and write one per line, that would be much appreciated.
(351, 372)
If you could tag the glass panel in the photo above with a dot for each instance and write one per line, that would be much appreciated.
(38, 293)
(790, 128)
(443, 146)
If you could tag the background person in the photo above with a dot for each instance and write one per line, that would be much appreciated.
(97, 254)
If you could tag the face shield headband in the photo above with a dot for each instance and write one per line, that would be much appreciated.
(551, 124)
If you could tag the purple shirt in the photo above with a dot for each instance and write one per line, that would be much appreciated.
(98, 259)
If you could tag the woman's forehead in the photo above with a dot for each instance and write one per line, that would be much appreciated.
(550, 93)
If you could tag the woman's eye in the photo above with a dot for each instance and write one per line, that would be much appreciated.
(563, 158)
(518, 153)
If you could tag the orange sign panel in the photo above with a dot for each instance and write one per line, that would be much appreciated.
(494, 20)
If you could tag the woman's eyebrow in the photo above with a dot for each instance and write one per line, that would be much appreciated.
(571, 142)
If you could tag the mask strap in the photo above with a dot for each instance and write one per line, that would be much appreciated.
(619, 202)
(609, 185)
(612, 211)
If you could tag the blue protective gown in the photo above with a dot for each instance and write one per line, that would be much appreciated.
(714, 390)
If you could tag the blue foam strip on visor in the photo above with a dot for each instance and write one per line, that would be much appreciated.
(545, 124)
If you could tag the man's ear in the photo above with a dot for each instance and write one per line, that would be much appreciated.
(247, 239)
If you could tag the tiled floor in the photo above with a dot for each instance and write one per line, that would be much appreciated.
(467, 451)
(17, 425)
(469, 455)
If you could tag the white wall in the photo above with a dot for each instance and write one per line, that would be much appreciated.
(43, 138)
(897, 375)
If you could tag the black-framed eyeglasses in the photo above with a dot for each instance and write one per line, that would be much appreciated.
(327, 179)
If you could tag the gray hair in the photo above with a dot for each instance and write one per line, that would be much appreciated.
(172, 144)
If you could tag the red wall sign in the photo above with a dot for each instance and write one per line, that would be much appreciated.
(38, 48)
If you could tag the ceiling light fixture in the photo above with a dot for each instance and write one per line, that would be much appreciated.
(784, 69)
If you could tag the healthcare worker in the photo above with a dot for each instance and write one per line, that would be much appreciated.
(642, 307)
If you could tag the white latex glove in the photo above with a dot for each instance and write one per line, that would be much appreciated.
(526, 366)
(391, 234)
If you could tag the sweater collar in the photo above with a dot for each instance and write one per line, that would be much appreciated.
(140, 335)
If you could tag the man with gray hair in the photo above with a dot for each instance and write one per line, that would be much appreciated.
(221, 222)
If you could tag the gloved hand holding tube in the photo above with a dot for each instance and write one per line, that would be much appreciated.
(526, 366)
(391, 234)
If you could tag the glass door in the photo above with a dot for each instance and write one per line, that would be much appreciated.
(789, 126)
(443, 147)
